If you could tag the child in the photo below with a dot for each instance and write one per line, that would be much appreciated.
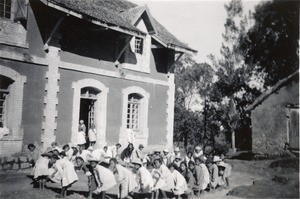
(166, 157)
(176, 154)
(224, 173)
(198, 152)
(166, 175)
(81, 134)
(180, 183)
(126, 154)
(33, 154)
(158, 182)
(67, 172)
(214, 171)
(125, 177)
(41, 170)
(187, 174)
(105, 156)
(54, 145)
(88, 170)
(104, 177)
(145, 179)
(189, 157)
(69, 151)
(92, 135)
(205, 172)
(198, 178)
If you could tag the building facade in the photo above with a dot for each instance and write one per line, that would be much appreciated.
(275, 118)
(109, 63)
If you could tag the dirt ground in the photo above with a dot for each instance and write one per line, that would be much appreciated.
(250, 179)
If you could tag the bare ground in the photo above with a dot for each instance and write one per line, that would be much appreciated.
(250, 179)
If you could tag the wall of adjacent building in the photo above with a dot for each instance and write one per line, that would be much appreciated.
(269, 122)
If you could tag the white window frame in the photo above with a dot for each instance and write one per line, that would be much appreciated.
(134, 113)
(143, 59)
(141, 135)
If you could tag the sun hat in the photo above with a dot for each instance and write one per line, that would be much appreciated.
(166, 150)
(221, 164)
(217, 159)
(139, 162)
(93, 159)
(197, 148)
(177, 149)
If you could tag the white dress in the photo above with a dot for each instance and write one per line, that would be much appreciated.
(81, 138)
(104, 178)
(67, 172)
(92, 135)
(41, 167)
(145, 178)
(126, 180)
(157, 180)
(84, 154)
(180, 183)
(206, 175)
(166, 175)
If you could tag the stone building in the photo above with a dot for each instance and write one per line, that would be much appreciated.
(106, 62)
(275, 118)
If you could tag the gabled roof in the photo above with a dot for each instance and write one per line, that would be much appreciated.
(272, 90)
(118, 15)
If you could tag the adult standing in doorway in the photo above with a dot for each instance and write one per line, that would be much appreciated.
(81, 134)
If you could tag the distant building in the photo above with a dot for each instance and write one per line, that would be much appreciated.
(109, 63)
(275, 118)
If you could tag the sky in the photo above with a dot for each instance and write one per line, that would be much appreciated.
(198, 23)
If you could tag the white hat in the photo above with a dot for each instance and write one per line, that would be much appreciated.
(177, 149)
(93, 159)
(166, 150)
(217, 159)
(138, 161)
(197, 148)
(221, 164)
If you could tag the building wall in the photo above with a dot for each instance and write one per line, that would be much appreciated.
(157, 111)
(33, 98)
(269, 122)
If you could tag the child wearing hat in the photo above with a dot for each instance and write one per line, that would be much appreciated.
(176, 154)
(104, 177)
(126, 179)
(224, 173)
(145, 181)
(214, 171)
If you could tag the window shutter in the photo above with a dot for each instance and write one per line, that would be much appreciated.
(20, 10)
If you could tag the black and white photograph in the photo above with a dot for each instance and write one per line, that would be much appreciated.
(149, 99)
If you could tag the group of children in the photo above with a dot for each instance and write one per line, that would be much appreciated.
(138, 174)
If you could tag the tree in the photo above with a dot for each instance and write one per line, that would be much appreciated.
(271, 45)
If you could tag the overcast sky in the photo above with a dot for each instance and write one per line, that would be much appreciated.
(199, 23)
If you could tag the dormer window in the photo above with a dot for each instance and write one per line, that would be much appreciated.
(138, 45)
(5, 9)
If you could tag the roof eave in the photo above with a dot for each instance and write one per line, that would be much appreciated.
(96, 22)
(267, 93)
(174, 47)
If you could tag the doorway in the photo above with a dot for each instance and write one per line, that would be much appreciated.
(88, 104)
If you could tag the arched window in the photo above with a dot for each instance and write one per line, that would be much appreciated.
(134, 111)
(134, 115)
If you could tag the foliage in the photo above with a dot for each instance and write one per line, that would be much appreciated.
(187, 126)
(271, 45)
